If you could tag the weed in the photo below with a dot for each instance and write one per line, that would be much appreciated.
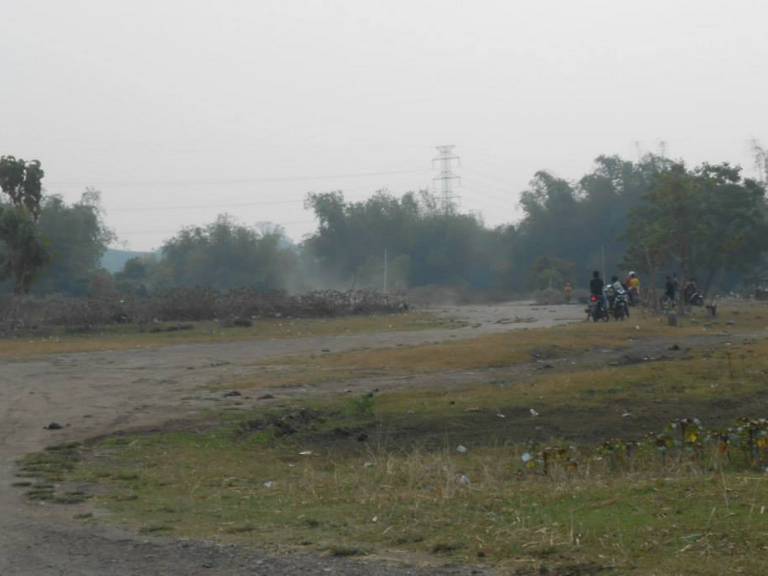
(342, 551)
(362, 406)
(240, 528)
(445, 547)
(155, 528)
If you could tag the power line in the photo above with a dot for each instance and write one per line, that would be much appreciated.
(484, 188)
(232, 205)
(177, 230)
(233, 180)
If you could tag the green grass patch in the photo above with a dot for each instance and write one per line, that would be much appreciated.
(53, 464)
(50, 467)
(481, 504)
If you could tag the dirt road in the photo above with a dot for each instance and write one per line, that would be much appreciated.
(96, 393)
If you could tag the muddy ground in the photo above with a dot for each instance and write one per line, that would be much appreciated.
(91, 394)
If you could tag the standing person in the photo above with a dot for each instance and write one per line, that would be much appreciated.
(567, 292)
(675, 286)
(597, 288)
(689, 290)
(633, 287)
(669, 291)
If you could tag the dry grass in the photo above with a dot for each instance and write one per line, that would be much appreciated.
(478, 506)
(120, 337)
(492, 351)
(247, 481)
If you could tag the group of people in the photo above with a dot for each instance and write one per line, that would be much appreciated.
(631, 286)
(606, 293)
(672, 289)
(597, 288)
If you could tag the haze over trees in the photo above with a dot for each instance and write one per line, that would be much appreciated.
(653, 215)
(701, 222)
(425, 244)
(76, 237)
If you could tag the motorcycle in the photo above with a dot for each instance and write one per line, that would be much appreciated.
(620, 307)
(596, 311)
(695, 299)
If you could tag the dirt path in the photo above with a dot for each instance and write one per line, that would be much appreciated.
(96, 393)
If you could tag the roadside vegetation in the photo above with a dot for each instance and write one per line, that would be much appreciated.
(654, 464)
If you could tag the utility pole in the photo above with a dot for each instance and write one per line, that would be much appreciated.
(602, 249)
(446, 176)
(385, 271)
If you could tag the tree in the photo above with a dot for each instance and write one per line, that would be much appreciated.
(704, 220)
(136, 276)
(226, 254)
(677, 219)
(549, 272)
(425, 244)
(733, 219)
(23, 253)
(647, 251)
(551, 222)
(583, 221)
(22, 182)
(78, 238)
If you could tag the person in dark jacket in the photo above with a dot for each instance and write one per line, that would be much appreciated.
(597, 288)
(670, 291)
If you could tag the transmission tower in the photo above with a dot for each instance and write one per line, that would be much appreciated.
(446, 176)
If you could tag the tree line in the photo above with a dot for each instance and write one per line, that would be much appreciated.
(653, 216)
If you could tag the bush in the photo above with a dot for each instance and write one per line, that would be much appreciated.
(24, 313)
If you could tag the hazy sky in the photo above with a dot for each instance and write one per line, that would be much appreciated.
(178, 111)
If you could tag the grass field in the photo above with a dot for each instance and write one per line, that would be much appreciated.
(493, 351)
(119, 337)
(555, 470)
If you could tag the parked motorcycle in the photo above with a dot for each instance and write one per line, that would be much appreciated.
(620, 306)
(695, 299)
(596, 311)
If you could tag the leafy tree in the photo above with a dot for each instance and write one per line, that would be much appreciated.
(227, 255)
(647, 250)
(704, 220)
(78, 238)
(102, 285)
(550, 224)
(22, 182)
(23, 253)
(733, 219)
(426, 245)
(136, 276)
(549, 272)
